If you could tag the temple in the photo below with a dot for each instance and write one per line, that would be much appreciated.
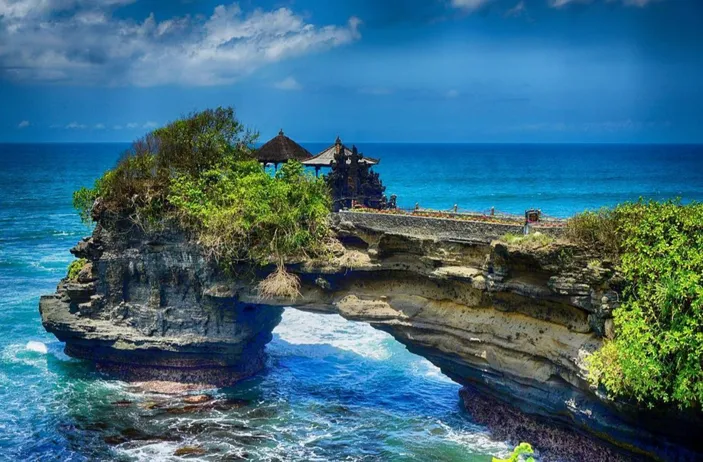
(281, 149)
(351, 181)
(327, 158)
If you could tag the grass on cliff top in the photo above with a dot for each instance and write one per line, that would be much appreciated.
(198, 174)
(656, 355)
(528, 241)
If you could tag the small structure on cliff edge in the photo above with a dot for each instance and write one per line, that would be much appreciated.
(280, 150)
(326, 158)
(351, 180)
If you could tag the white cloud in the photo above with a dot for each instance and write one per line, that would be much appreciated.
(132, 125)
(82, 41)
(469, 5)
(23, 124)
(100, 126)
(76, 126)
(37, 8)
(452, 94)
(518, 10)
(117, 127)
(289, 83)
(150, 125)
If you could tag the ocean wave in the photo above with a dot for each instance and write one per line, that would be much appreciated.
(19, 354)
(162, 451)
(302, 328)
(426, 369)
(37, 347)
(34, 354)
(475, 440)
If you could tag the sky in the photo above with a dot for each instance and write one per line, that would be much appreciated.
(416, 71)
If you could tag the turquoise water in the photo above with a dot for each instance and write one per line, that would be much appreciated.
(333, 390)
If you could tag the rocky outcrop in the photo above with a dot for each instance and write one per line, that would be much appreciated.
(514, 324)
(143, 310)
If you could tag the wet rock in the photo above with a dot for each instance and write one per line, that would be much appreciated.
(170, 388)
(207, 405)
(135, 434)
(115, 440)
(96, 426)
(150, 405)
(122, 403)
(554, 444)
(189, 451)
(197, 399)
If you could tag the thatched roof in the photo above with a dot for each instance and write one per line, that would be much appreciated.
(326, 157)
(281, 149)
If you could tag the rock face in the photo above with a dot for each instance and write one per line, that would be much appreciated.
(510, 323)
(142, 310)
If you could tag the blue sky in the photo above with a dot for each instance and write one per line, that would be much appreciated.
(368, 70)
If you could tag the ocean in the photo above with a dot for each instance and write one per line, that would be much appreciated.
(332, 389)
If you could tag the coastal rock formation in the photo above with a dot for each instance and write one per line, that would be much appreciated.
(142, 310)
(507, 322)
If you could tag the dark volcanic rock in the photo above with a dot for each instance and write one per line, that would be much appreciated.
(146, 317)
(554, 443)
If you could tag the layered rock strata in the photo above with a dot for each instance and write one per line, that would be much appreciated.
(508, 322)
(145, 310)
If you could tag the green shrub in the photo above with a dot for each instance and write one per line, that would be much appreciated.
(198, 174)
(595, 230)
(523, 449)
(656, 354)
(74, 268)
(244, 214)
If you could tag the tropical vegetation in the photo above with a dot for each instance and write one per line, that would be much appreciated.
(198, 173)
(657, 353)
(74, 268)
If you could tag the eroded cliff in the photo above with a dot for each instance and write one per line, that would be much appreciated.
(514, 324)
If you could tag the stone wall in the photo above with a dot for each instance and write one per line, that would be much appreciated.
(436, 228)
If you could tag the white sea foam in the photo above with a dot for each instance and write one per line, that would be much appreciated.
(18, 354)
(37, 347)
(155, 451)
(426, 369)
(475, 440)
(301, 328)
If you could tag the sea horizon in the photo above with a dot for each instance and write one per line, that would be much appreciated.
(478, 143)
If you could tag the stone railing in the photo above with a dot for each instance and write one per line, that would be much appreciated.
(437, 228)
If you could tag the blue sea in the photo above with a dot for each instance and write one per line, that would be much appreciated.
(333, 389)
